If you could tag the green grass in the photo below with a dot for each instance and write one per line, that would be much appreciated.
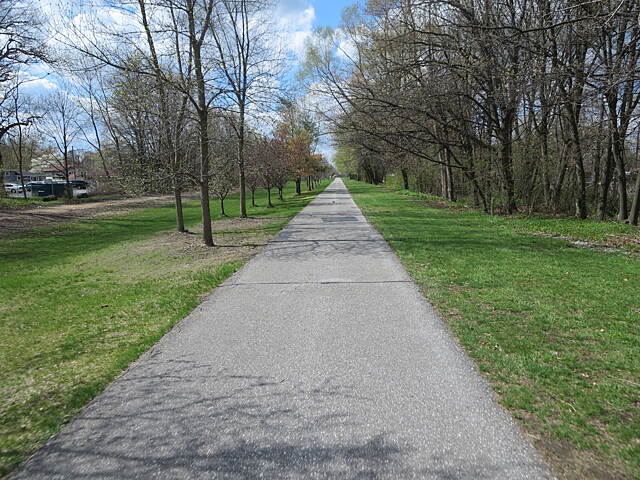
(615, 234)
(80, 301)
(554, 328)
(11, 203)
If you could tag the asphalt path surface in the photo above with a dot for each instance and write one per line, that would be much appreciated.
(319, 359)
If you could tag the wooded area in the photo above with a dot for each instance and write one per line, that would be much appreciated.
(518, 105)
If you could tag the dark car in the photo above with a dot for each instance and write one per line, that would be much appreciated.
(30, 185)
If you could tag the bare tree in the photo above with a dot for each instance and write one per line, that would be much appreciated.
(20, 138)
(248, 60)
(59, 125)
(182, 27)
(21, 43)
(223, 151)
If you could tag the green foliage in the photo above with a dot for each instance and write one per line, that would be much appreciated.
(554, 327)
(345, 162)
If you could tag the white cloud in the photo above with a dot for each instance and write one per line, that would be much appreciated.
(36, 86)
(37, 80)
(347, 48)
(295, 18)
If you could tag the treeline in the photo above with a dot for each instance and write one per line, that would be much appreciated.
(518, 104)
(171, 95)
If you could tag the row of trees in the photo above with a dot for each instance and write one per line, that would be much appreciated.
(518, 103)
(136, 150)
(170, 94)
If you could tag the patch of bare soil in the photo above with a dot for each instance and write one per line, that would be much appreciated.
(568, 463)
(628, 244)
(236, 223)
(233, 233)
(22, 219)
(193, 255)
(439, 203)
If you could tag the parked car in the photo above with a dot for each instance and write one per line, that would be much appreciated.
(30, 185)
(79, 184)
(13, 188)
(44, 189)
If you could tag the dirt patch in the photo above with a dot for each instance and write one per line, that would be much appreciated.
(181, 254)
(614, 243)
(236, 223)
(436, 202)
(232, 233)
(22, 219)
(569, 463)
(628, 241)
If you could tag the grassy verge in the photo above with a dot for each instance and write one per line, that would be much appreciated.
(82, 300)
(553, 326)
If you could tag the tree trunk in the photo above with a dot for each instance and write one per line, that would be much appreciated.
(506, 165)
(622, 179)
(24, 189)
(444, 177)
(604, 187)
(269, 196)
(451, 193)
(548, 194)
(222, 214)
(576, 150)
(405, 178)
(595, 177)
(298, 189)
(3, 192)
(617, 145)
(557, 187)
(479, 198)
(280, 194)
(635, 207)
(179, 214)
(243, 189)
(21, 166)
(253, 197)
(68, 190)
(202, 111)
(207, 235)
(598, 157)
(581, 197)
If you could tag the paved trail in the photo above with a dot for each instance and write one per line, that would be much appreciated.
(319, 359)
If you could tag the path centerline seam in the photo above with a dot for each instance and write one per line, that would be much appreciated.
(321, 282)
(327, 240)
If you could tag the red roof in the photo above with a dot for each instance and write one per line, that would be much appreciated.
(56, 169)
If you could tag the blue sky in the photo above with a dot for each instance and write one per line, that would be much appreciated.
(298, 18)
(328, 12)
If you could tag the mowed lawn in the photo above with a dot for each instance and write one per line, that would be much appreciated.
(80, 301)
(554, 326)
